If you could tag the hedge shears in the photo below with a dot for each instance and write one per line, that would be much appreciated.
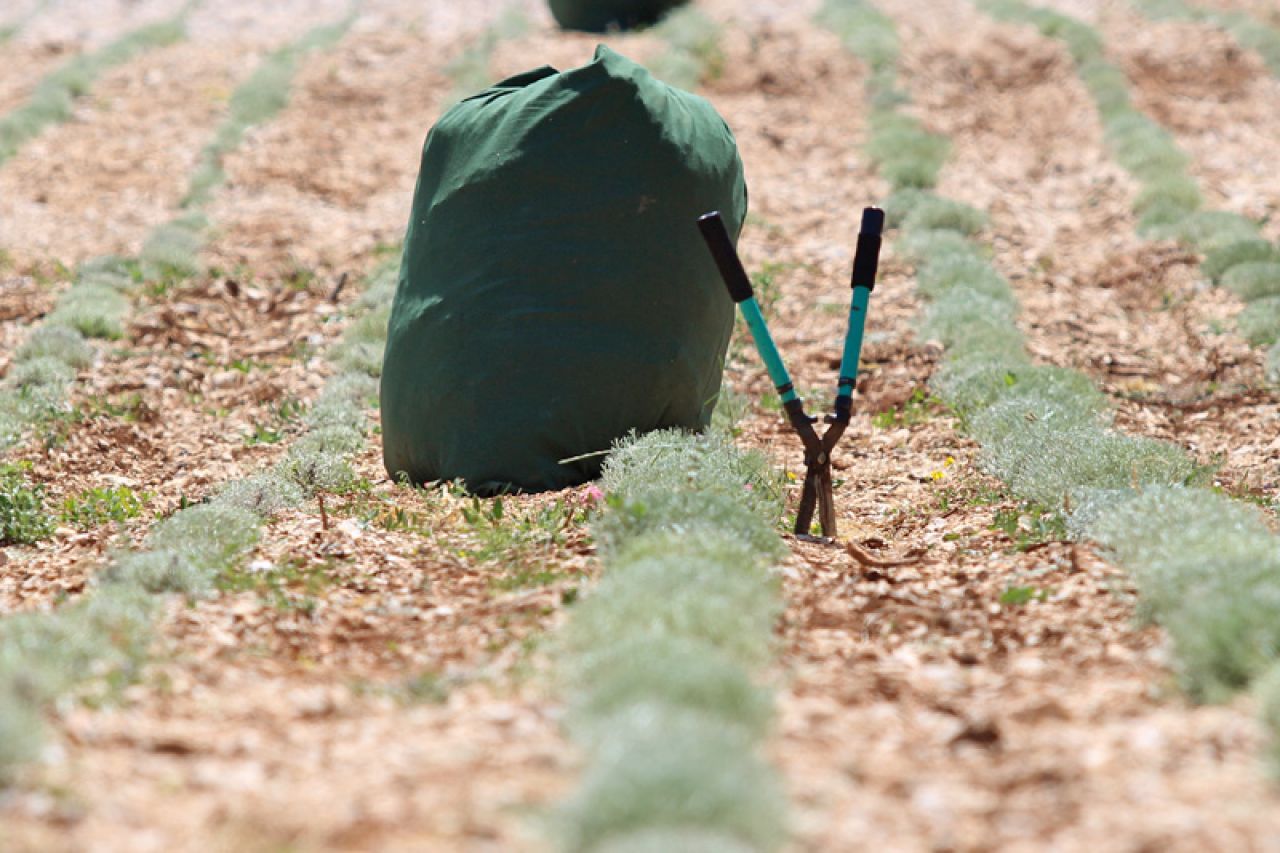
(817, 490)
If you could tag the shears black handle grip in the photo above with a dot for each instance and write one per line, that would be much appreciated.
(726, 258)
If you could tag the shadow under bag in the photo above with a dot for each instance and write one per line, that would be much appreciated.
(554, 293)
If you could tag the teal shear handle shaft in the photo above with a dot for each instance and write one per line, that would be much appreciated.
(768, 350)
(866, 261)
(853, 341)
(739, 286)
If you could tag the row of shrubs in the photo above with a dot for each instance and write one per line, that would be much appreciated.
(1207, 567)
(99, 642)
(54, 97)
(1169, 204)
(36, 387)
(661, 659)
(171, 250)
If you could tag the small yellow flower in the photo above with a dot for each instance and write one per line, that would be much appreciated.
(951, 460)
(937, 475)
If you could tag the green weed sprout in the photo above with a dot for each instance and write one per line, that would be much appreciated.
(23, 519)
(100, 505)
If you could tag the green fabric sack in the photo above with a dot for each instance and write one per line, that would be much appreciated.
(554, 292)
(598, 16)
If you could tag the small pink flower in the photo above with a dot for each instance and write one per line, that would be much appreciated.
(593, 494)
(750, 487)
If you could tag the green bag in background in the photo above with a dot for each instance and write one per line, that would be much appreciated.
(554, 292)
(597, 16)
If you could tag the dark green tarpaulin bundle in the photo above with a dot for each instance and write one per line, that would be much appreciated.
(554, 293)
(597, 16)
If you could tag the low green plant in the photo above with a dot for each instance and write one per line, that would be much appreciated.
(316, 472)
(1218, 261)
(1029, 525)
(916, 409)
(675, 462)
(23, 518)
(101, 504)
(1017, 596)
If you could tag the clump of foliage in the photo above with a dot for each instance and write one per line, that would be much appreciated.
(935, 212)
(102, 504)
(1218, 261)
(664, 767)
(23, 518)
(1260, 321)
(1253, 279)
(54, 96)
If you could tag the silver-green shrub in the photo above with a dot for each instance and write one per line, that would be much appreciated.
(1253, 279)
(262, 494)
(935, 212)
(672, 669)
(666, 768)
(696, 598)
(1260, 321)
(1219, 260)
(57, 342)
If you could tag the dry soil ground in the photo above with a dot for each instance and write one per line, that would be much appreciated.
(393, 690)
